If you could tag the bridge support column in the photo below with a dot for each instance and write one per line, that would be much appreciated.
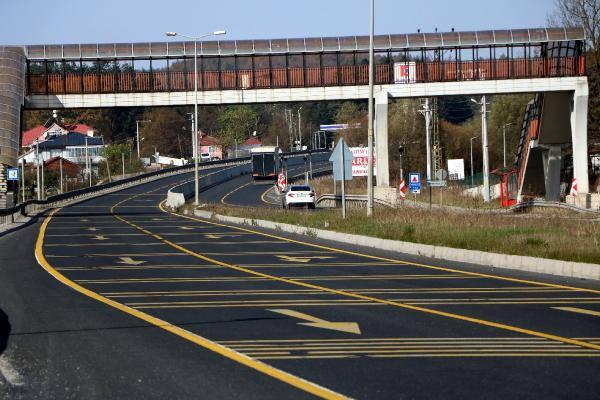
(579, 115)
(552, 162)
(12, 83)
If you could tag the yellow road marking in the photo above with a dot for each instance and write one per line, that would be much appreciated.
(348, 327)
(276, 373)
(374, 299)
(354, 253)
(130, 261)
(302, 259)
(579, 310)
(232, 192)
(263, 196)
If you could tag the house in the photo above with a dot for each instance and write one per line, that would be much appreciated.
(210, 146)
(243, 150)
(70, 169)
(57, 139)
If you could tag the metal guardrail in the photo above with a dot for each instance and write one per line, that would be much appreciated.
(10, 215)
(352, 201)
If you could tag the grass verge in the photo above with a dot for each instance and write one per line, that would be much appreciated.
(568, 239)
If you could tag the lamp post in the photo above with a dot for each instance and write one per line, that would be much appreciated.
(504, 140)
(370, 122)
(473, 138)
(195, 132)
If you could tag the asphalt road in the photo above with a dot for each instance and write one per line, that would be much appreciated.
(130, 301)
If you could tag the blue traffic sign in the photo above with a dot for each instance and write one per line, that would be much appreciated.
(12, 174)
(414, 182)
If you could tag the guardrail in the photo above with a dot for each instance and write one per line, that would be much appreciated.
(14, 214)
(352, 201)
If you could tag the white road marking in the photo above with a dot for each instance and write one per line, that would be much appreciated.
(10, 374)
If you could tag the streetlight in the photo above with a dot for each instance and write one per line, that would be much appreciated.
(475, 137)
(504, 140)
(370, 197)
(195, 130)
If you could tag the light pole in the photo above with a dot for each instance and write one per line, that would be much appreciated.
(137, 133)
(195, 132)
(473, 138)
(504, 140)
(370, 124)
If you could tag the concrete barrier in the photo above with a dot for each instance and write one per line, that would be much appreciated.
(505, 261)
(177, 195)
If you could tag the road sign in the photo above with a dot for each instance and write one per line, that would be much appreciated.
(12, 174)
(342, 152)
(437, 183)
(414, 182)
(441, 174)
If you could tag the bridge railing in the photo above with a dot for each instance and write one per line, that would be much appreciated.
(119, 81)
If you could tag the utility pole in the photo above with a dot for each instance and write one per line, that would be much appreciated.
(484, 144)
(37, 170)
(123, 164)
(426, 111)
(108, 170)
(299, 128)
(23, 179)
(60, 161)
(88, 162)
(43, 192)
(370, 197)
(137, 133)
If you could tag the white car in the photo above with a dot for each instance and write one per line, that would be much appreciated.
(204, 157)
(299, 195)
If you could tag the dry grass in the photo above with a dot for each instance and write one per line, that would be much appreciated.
(570, 239)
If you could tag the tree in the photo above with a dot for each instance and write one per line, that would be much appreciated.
(237, 124)
(164, 133)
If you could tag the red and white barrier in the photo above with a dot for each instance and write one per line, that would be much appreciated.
(573, 191)
(402, 187)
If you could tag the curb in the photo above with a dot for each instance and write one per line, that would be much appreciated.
(548, 266)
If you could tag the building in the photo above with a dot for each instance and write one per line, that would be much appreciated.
(210, 147)
(243, 150)
(56, 139)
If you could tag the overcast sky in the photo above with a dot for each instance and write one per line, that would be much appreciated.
(98, 21)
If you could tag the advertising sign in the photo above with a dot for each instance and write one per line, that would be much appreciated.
(360, 162)
(456, 169)
(405, 72)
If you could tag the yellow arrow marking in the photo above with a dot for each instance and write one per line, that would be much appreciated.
(218, 236)
(303, 259)
(349, 327)
(579, 310)
(100, 237)
(129, 261)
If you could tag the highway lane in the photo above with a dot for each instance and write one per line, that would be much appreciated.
(358, 322)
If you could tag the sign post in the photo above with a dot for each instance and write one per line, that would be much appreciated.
(414, 183)
(342, 157)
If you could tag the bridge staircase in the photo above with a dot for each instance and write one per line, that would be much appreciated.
(530, 131)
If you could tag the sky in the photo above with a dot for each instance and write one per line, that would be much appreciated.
(108, 21)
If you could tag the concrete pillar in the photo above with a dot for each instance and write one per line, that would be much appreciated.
(579, 111)
(12, 83)
(381, 139)
(552, 163)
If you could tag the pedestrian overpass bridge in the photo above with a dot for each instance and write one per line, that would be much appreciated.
(548, 61)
